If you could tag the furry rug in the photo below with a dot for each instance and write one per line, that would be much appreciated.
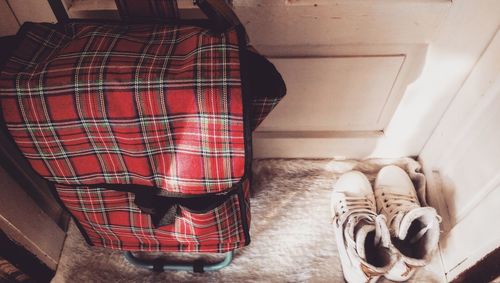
(292, 237)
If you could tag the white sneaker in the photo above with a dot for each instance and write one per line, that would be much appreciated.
(414, 229)
(363, 239)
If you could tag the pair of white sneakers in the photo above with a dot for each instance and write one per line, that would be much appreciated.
(382, 231)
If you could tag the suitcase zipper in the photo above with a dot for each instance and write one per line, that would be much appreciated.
(157, 191)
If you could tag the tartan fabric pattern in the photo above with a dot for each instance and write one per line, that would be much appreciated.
(152, 10)
(112, 220)
(261, 107)
(154, 105)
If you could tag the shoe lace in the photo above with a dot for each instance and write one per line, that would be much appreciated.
(354, 209)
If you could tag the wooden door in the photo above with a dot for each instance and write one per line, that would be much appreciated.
(462, 162)
(347, 65)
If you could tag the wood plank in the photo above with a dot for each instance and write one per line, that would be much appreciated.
(341, 22)
(462, 158)
(470, 125)
(314, 147)
(22, 220)
(97, 9)
(32, 11)
(92, 5)
(459, 113)
(35, 186)
(326, 2)
(323, 22)
(8, 22)
(316, 134)
(87, 7)
(100, 5)
(473, 237)
(475, 168)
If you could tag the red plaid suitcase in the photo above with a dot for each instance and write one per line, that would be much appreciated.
(144, 129)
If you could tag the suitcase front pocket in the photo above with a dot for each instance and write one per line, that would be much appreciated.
(111, 219)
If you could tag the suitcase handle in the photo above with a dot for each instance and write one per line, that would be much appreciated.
(197, 266)
(220, 13)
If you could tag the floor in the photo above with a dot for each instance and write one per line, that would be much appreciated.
(292, 237)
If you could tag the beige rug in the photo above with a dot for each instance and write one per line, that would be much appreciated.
(292, 238)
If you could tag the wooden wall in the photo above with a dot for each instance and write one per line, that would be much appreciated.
(13, 13)
(462, 162)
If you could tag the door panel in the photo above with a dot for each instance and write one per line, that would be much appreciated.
(462, 162)
(334, 94)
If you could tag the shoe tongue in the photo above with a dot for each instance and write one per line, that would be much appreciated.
(406, 220)
(361, 231)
